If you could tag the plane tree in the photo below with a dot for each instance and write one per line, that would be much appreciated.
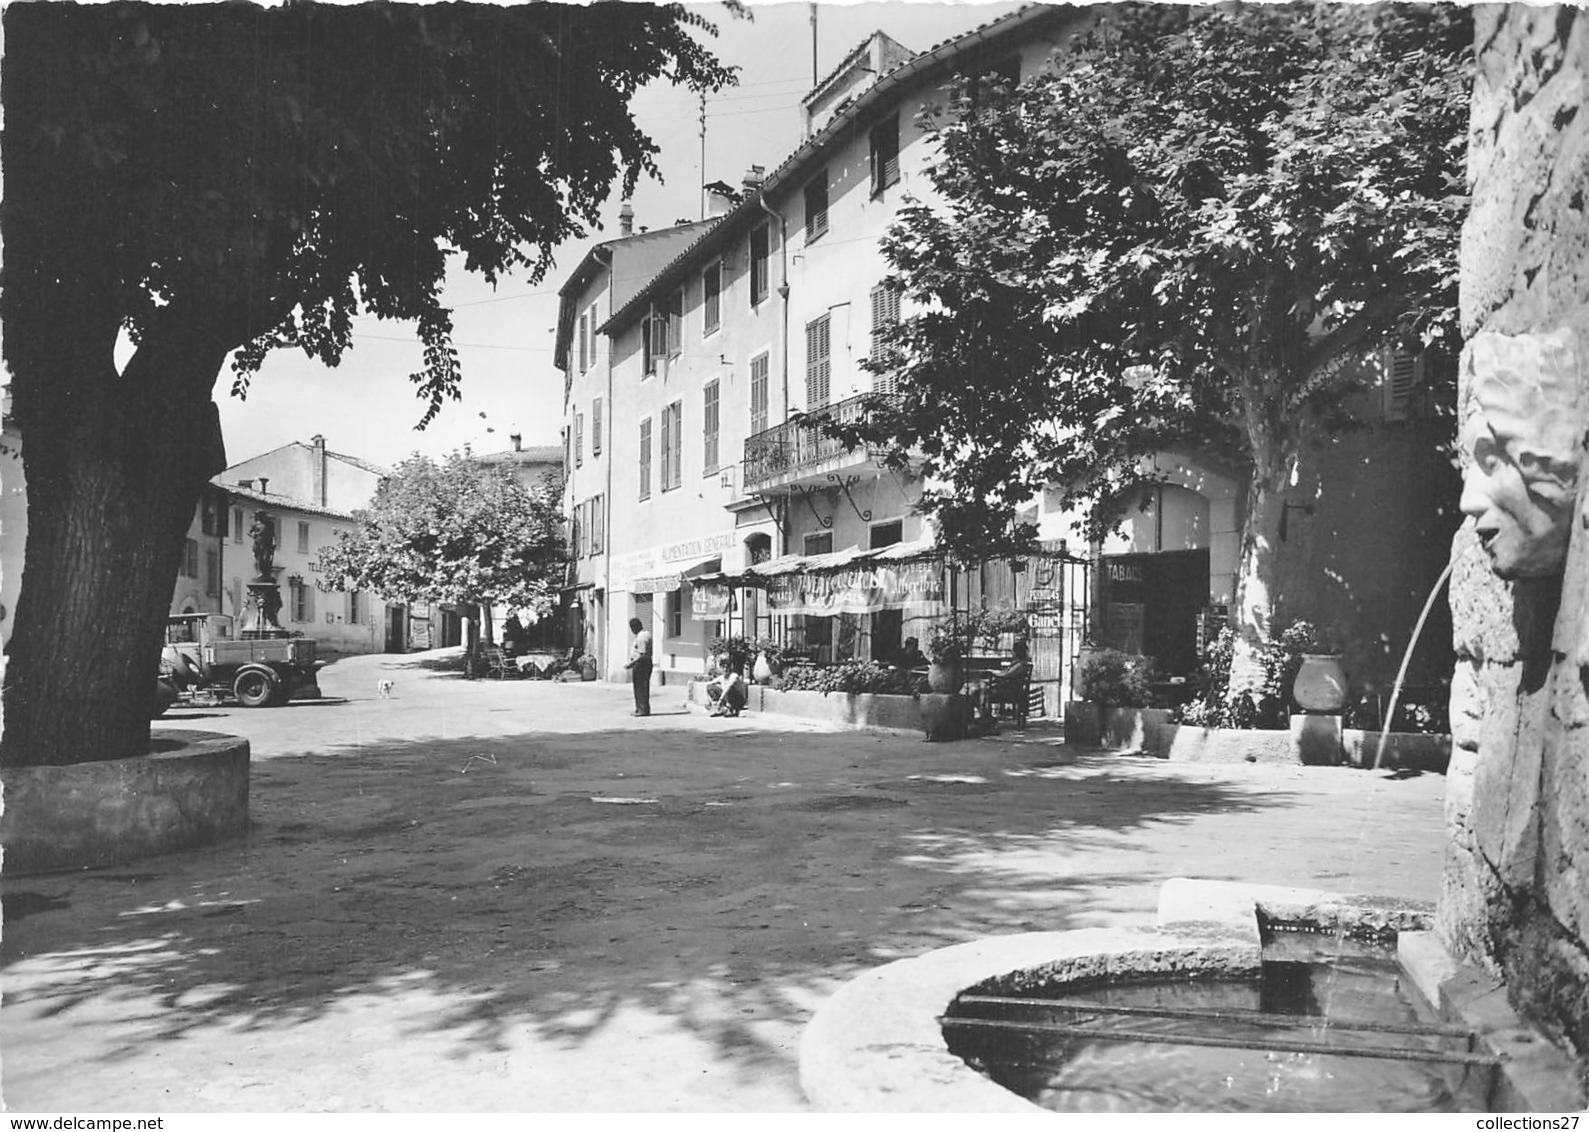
(227, 179)
(1183, 234)
(455, 532)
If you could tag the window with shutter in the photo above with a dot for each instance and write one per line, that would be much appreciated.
(885, 154)
(579, 440)
(598, 524)
(584, 321)
(709, 397)
(816, 195)
(649, 355)
(758, 394)
(645, 458)
(675, 312)
(303, 538)
(885, 315)
(818, 362)
(711, 299)
(592, 322)
(676, 432)
(237, 524)
(672, 445)
(759, 244)
(595, 427)
(1403, 375)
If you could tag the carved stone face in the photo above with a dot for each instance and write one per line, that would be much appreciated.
(1522, 440)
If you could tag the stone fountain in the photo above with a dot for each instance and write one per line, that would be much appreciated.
(1515, 897)
(264, 592)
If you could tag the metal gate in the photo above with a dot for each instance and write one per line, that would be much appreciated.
(1055, 590)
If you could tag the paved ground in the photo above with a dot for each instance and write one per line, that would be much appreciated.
(513, 896)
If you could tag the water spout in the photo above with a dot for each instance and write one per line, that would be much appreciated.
(1401, 674)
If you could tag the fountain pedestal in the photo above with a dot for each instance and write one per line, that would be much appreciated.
(259, 611)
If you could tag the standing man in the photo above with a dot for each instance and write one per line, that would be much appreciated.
(639, 666)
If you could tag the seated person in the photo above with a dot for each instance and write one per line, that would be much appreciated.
(1001, 683)
(911, 655)
(727, 692)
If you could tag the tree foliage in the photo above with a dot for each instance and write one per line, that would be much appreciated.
(1182, 234)
(275, 172)
(227, 179)
(456, 532)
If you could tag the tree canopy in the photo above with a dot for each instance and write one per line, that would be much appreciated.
(456, 532)
(1181, 234)
(227, 179)
(276, 171)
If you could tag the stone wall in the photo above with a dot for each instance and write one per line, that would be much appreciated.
(1515, 897)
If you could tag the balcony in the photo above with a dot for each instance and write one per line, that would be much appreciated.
(800, 448)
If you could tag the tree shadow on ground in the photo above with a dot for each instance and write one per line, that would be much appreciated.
(541, 887)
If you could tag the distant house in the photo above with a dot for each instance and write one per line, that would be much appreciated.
(310, 494)
(534, 466)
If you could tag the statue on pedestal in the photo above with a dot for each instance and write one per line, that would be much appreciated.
(264, 594)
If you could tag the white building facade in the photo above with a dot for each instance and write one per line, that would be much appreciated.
(711, 372)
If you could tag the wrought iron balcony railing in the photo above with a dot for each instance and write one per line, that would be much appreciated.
(802, 445)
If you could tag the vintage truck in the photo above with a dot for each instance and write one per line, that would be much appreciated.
(203, 663)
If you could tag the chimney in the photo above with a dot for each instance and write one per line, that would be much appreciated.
(754, 176)
(246, 483)
(264, 485)
(626, 219)
(518, 441)
(317, 471)
(720, 199)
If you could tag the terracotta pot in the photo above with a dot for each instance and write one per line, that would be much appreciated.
(762, 672)
(943, 676)
(1320, 685)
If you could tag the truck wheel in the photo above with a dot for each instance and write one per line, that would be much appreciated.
(254, 688)
(165, 694)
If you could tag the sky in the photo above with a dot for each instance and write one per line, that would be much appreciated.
(366, 407)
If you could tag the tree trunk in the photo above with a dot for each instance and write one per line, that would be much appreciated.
(115, 464)
(1256, 578)
(1275, 447)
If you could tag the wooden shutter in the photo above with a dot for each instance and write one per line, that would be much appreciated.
(645, 458)
(758, 394)
(818, 363)
(709, 415)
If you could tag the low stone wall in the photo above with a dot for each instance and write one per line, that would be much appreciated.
(888, 713)
(1310, 740)
(191, 790)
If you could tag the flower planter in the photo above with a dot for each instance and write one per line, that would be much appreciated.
(944, 676)
(191, 790)
(1320, 686)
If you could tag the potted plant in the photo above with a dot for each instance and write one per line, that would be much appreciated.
(770, 659)
(738, 650)
(948, 641)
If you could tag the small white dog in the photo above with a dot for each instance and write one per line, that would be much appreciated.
(384, 688)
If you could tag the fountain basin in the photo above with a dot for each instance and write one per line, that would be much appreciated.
(190, 790)
(878, 1046)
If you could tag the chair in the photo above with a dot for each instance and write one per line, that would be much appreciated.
(497, 664)
(1010, 697)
